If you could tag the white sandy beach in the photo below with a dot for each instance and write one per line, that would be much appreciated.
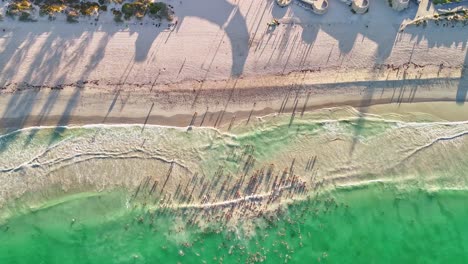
(221, 55)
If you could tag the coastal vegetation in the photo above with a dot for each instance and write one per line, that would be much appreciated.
(72, 16)
(443, 18)
(49, 9)
(73, 9)
(117, 15)
(17, 8)
(26, 17)
(140, 8)
(25, 10)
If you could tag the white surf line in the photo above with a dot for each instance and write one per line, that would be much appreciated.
(95, 155)
(367, 116)
(64, 164)
(31, 161)
(443, 138)
(254, 197)
(98, 125)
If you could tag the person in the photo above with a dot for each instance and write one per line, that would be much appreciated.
(274, 22)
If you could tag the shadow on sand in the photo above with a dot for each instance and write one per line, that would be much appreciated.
(55, 45)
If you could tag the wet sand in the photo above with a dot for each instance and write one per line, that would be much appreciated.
(213, 103)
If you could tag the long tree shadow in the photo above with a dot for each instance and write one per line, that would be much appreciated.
(45, 110)
(291, 17)
(19, 103)
(383, 32)
(385, 46)
(350, 31)
(346, 29)
(463, 84)
(229, 18)
(46, 68)
(66, 115)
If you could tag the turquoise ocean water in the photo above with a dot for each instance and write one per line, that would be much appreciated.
(394, 191)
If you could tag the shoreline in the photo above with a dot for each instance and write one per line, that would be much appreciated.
(183, 120)
(215, 103)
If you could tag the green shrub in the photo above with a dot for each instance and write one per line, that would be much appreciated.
(25, 17)
(72, 16)
(128, 10)
(117, 16)
(103, 8)
(18, 7)
(87, 8)
(159, 10)
(49, 9)
(137, 9)
(154, 8)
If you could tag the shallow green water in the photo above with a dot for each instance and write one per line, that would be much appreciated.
(397, 222)
(374, 224)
